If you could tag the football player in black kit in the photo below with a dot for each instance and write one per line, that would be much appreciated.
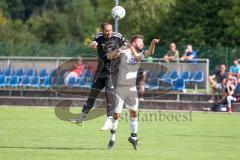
(105, 41)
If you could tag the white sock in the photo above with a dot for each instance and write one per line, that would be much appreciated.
(114, 124)
(113, 130)
(110, 117)
(108, 120)
(134, 126)
(113, 136)
(229, 101)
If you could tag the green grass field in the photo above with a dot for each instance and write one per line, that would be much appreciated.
(29, 133)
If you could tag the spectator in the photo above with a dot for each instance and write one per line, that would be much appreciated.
(189, 53)
(237, 89)
(76, 70)
(216, 81)
(230, 85)
(172, 54)
(141, 79)
(235, 68)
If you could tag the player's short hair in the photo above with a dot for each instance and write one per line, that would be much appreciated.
(133, 38)
(105, 24)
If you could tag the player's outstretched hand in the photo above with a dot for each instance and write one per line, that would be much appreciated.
(155, 41)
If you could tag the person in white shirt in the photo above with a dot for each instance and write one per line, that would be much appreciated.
(126, 91)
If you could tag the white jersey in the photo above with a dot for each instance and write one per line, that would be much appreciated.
(128, 67)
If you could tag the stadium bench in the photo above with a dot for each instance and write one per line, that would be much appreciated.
(25, 82)
(185, 76)
(173, 75)
(2, 81)
(30, 72)
(8, 72)
(13, 81)
(45, 83)
(166, 84)
(153, 84)
(72, 82)
(43, 73)
(179, 85)
(35, 82)
(197, 78)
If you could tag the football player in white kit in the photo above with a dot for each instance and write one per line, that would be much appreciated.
(126, 91)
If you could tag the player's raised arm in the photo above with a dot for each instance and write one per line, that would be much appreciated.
(152, 46)
(96, 40)
(136, 55)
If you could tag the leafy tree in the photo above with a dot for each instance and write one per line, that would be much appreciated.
(50, 27)
(232, 21)
(143, 17)
(81, 19)
(15, 32)
(195, 21)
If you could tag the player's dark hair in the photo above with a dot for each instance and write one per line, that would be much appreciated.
(133, 38)
(105, 24)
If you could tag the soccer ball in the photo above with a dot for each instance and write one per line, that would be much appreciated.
(118, 12)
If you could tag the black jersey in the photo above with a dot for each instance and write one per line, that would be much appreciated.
(220, 77)
(106, 45)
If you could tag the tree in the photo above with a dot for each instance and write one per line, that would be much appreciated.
(143, 17)
(232, 21)
(195, 21)
(50, 27)
(81, 19)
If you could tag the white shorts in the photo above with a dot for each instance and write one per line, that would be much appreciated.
(127, 95)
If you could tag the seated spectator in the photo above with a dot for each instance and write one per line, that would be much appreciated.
(141, 79)
(172, 54)
(235, 68)
(189, 53)
(230, 85)
(76, 70)
(217, 81)
(237, 89)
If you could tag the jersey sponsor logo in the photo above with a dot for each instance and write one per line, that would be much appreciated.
(132, 61)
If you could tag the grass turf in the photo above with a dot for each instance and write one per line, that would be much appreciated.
(35, 133)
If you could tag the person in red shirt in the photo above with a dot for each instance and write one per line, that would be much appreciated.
(76, 70)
